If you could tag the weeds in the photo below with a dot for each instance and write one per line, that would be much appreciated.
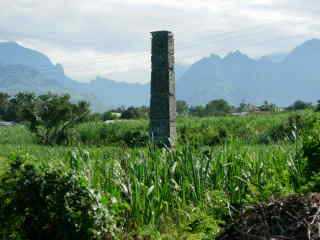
(190, 191)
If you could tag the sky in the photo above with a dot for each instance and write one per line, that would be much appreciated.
(111, 38)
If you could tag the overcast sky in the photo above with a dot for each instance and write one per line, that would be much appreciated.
(111, 38)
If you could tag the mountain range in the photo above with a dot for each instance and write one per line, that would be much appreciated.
(279, 78)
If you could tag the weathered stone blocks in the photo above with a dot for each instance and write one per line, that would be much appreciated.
(163, 96)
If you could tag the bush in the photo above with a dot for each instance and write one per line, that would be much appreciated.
(311, 149)
(219, 138)
(191, 136)
(312, 185)
(136, 138)
(286, 130)
(204, 136)
(300, 105)
(49, 116)
(50, 205)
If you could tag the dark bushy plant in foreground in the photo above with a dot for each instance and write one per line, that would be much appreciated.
(311, 148)
(136, 138)
(50, 205)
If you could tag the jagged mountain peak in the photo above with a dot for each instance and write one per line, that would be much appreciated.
(281, 78)
(236, 56)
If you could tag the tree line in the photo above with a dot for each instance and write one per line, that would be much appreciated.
(30, 107)
(217, 107)
(51, 116)
(220, 107)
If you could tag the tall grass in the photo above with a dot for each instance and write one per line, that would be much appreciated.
(252, 129)
(18, 134)
(152, 187)
(192, 188)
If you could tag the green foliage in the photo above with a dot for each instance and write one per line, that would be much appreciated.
(198, 111)
(16, 135)
(287, 130)
(200, 225)
(110, 116)
(4, 104)
(268, 107)
(49, 116)
(300, 105)
(121, 133)
(15, 110)
(189, 190)
(311, 152)
(246, 107)
(203, 137)
(251, 129)
(218, 107)
(318, 106)
(135, 113)
(56, 114)
(311, 148)
(312, 184)
(94, 117)
(136, 138)
(217, 168)
(50, 204)
(182, 108)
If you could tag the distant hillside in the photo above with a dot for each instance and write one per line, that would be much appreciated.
(12, 53)
(280, 78)
(23, 69)
(15, 78)
(277, 57)
(180, 70)
(120, 93)
(238, 77)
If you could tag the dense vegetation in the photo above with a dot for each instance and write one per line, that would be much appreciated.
(220, 165)
(66, 173)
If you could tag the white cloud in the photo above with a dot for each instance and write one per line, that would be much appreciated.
(111, 37)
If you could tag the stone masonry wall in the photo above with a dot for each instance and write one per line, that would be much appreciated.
(163, 97)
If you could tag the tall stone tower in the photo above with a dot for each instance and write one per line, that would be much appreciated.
(163, 96)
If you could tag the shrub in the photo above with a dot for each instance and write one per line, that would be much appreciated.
(191, 136)
(136, 138)
(300, 105)
(218, 107)
(50, 116)
(312, 185)
(50, 205)
(311, 149)
(286, 130)
(219, 138)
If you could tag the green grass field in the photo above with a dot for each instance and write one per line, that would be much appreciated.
(186, 193)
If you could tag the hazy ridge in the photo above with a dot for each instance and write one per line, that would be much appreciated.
(279, 78)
